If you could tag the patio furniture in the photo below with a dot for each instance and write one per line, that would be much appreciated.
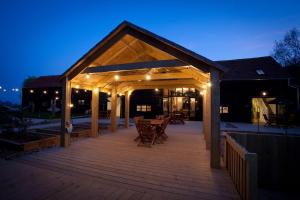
(138, 128)
(161, 132)
(177, 118)
(147, 133)
(271, 120)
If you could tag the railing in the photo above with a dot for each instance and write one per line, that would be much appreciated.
(242, 167)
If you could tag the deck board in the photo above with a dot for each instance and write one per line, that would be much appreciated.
(112, 166)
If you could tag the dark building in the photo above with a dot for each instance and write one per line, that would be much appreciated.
(249, 86)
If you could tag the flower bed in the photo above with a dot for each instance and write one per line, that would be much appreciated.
(22, 142)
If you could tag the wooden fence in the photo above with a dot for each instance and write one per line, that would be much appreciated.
(242, 167)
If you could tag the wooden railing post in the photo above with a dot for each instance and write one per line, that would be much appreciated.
(242, 167)
(251, 174)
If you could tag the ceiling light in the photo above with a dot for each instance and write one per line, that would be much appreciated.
(87, 76)
(77, 86)
(209, 84)
(148, 77)
(116, 77)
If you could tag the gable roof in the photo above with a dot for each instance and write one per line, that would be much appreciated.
(246, 69)
(159, 42)
(44, 82)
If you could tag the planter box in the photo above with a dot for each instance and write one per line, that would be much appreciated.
(45, 141)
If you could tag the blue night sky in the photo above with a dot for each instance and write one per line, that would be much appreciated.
(46, 37)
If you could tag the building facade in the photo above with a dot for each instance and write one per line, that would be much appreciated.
(250, 86)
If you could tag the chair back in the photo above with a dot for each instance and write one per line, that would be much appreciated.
(137, 124)
(166, 122)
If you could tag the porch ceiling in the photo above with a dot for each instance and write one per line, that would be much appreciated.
(132, 60)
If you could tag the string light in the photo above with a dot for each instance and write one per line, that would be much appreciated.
(31, 91)
(203, 92)
(0, 87)
(116, 77)
(209, 84)
(56, 92)
(156, 89)
(76, 91)
(45, 91)
(4, 90)
(71, 105)
(56, 98)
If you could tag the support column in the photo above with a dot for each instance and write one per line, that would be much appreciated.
(95, 112)
(215, 150)
(113, 113)
(127, 104)
(65, 113)
(208, 115)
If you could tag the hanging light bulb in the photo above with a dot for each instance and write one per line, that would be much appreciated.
(116, 77)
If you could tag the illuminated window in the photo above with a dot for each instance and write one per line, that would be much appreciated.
(143, 108)
(148, 108)
(224, 109)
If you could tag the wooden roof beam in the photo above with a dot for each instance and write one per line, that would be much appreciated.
(135, 66)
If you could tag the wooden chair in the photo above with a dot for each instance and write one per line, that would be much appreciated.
(147, 133)
(138, 128)
(271, 120)
(161, 133)
(177, 118)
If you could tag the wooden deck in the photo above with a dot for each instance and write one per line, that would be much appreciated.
(111, 166)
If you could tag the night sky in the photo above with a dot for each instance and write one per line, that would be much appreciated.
(46, 37)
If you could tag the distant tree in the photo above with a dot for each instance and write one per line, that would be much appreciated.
(287, 50)
(28, 79)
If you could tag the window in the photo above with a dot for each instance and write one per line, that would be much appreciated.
(260, 72)
(81, 102)
(143, 108)
(224, 109)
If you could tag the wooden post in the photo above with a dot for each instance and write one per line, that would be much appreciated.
(127, 104)
(113, 113)
(207, 125)
(65, 113)
(251, 174)
(95, 112)
(214, 90)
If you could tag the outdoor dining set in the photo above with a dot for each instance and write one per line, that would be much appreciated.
(152, 131)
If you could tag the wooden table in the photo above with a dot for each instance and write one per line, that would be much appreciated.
(154, 122)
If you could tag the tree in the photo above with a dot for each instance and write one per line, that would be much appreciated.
(28, 79)
(287, 51)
